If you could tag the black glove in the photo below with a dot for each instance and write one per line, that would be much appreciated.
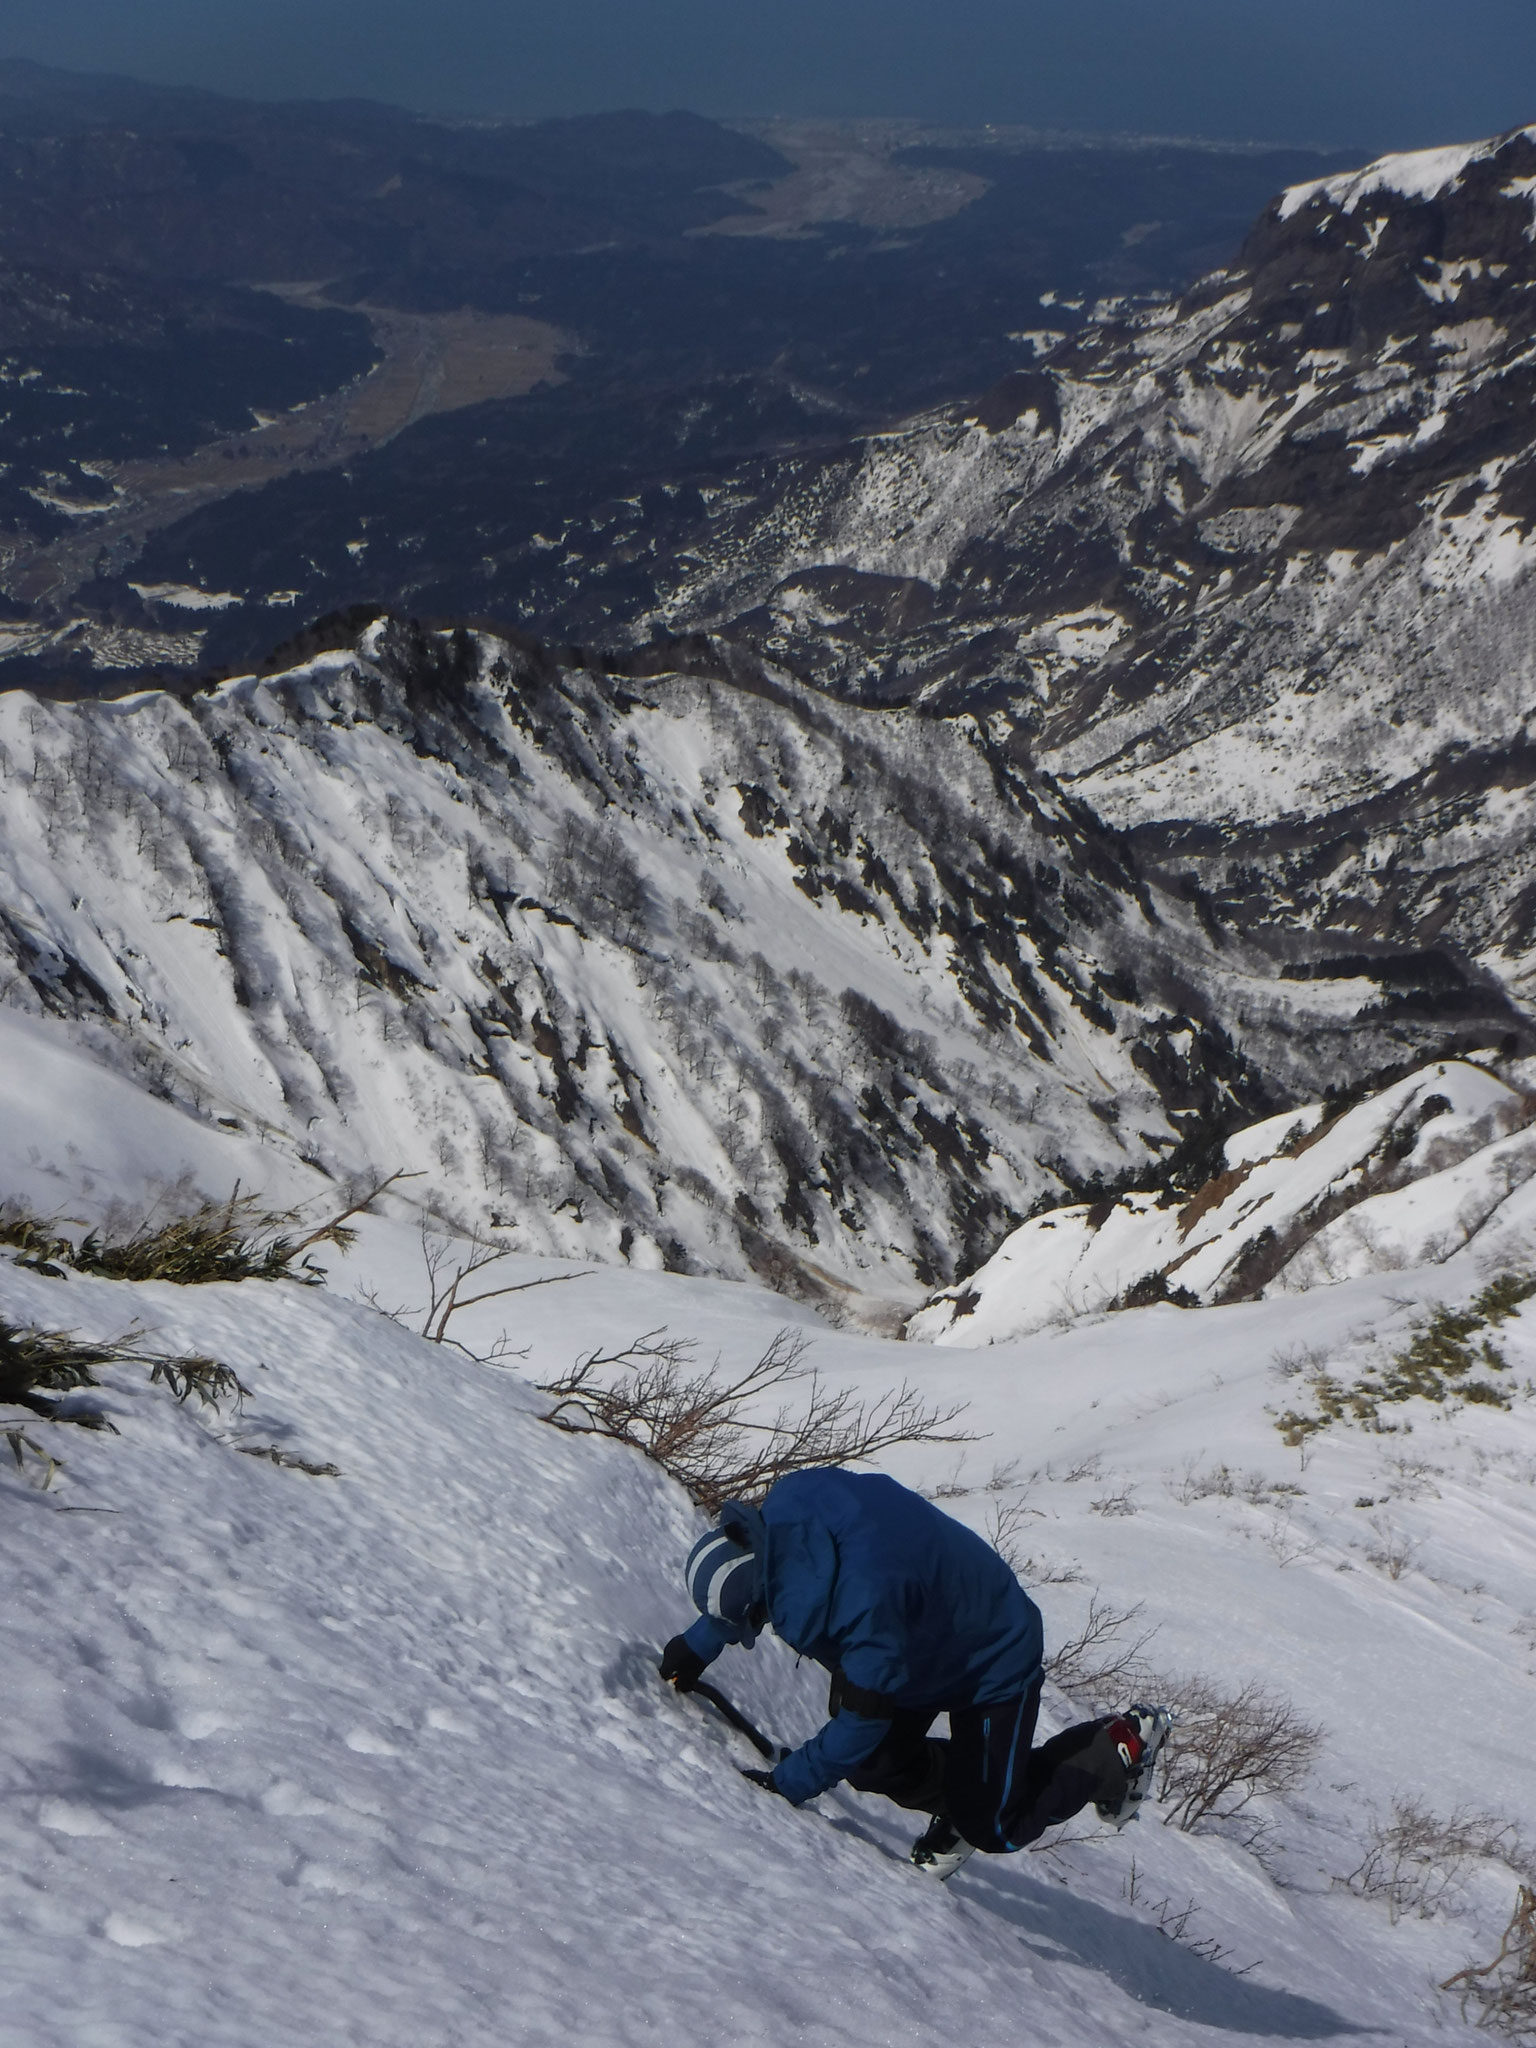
(681, 1665)
(763, 1778)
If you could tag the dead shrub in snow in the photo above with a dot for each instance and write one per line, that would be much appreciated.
(233, 1240)
(1394, 1552)
(288, 1460)
(1414, 1478)
(1222, 1483)
(446, 1281)
(1096, 1665)
(39, 1367)
(1173, 1922)
(1417, 1862)
(1228, 1749)
(31, 1360)
(1047, 1571)
(715, 1435)
(1295, 1360)
(1005, 1526)
(1503, 1992)
(205, 1377)
(1121, 1502)
(21, 1444)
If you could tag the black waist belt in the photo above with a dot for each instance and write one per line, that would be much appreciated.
(858, 1699)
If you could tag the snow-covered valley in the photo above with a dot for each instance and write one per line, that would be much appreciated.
(706, 974)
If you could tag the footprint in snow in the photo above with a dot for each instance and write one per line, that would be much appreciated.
(631, 1675)
(369, 1743)
(447, 1721)
(69, 1817)
(127, 1933)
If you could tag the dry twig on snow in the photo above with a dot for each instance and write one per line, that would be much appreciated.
(1504, 1990)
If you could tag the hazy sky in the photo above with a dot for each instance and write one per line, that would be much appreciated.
(1379, 73)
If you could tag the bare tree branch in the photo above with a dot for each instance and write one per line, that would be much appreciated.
(713, 1434)
(446, 1301)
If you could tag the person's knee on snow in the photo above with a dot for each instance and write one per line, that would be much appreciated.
(908, 1765)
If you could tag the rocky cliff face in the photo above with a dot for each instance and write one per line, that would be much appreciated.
(1251, 574)
(698, 970)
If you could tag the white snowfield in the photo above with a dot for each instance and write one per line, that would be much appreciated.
(1409, 1177)
(381, 1758)
(1412, 174)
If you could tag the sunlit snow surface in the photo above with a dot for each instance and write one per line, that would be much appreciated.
(1415, 174)
(1440, 1162)
(381, 1759)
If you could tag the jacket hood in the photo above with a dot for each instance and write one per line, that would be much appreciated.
(797, 1568)
(744, 1524)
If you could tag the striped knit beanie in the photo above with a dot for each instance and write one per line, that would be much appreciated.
(725, 1581)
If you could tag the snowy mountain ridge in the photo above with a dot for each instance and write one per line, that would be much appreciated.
(1251, 574)
(705, 972)
(1412, 174)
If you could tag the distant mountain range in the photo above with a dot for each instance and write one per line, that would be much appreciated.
(522, 356)
(984, 813)
(1250, 573)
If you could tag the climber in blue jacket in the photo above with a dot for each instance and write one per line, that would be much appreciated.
(913, 1615)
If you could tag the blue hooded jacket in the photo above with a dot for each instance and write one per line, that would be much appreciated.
(912, 1608)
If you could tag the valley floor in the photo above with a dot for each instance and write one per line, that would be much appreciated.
(429, 363)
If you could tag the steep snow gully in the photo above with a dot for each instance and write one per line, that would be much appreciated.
(1416, 1173)
(734, 1007)
(380, 1757)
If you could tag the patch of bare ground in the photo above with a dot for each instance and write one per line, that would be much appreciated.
(429, 363)
(432, 363)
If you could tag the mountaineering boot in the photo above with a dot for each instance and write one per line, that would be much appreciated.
(1138, 1734)
(941, 1851)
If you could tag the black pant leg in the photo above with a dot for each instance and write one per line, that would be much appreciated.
(908, 1766)
(989, 1755)
(1079, 1766)
(1001, 1793)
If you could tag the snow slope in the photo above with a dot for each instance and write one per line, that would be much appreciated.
(1409, 1176)
(379, 1758)
(79, 1135)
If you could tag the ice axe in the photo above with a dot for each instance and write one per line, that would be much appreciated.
(737, 1719)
